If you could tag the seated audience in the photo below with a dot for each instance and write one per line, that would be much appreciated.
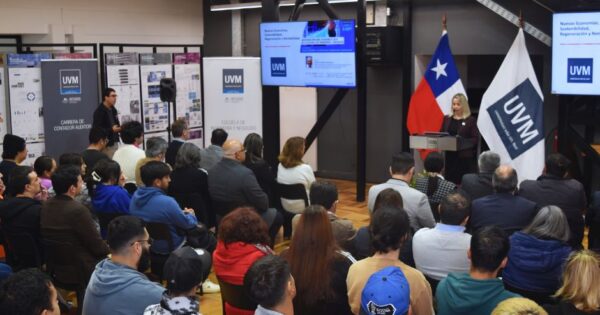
(152, 204)
(447, 239)
(389, 229)
(292, 170)
(128, 154)
(261, 169)
(21, 213)
(388, 197)
(325, 194)
(156, 147)
(270, 284)
(187, 178)
(518, 306)
(232, 185)
(580, 292)
(185, 270)
(480, 185)
(242, 239)
(14, 151)
(2, 187)
(318, 266)
(98, 139)
(537, 256)
(503, 209)
(28, 292)
(65, 220)
(433, 183)
(415, 202)
(479, 291)
(118, 285)
(44, 166)
(106, 189)
(181, 133)
(213, 154)
(386, 292)
(556, 188)
(76, 160)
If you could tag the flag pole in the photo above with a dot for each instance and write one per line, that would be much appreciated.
(444, 20)
(521, 21)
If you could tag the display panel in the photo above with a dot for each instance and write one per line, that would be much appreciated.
(576, 53)
(309, 53)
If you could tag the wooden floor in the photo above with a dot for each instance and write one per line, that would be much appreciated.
(348, 207)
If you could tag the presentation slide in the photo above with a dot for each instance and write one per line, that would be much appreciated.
(576, 53)
(312, 53)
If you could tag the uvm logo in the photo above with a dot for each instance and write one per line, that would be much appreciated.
(70, 81)
(233, 81)
(580, 70)
(278, 67)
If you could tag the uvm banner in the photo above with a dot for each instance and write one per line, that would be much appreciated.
(70, 89)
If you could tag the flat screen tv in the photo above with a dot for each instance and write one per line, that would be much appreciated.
(309, 53)
(576, 53)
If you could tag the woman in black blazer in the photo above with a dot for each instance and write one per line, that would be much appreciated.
(265, 176)
(461, 124)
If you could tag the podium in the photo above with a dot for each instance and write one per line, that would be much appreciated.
(435, 142)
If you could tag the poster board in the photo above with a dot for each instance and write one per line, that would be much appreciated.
(189, 88)
(3, 103)
(123, 75)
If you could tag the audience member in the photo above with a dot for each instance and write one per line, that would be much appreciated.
(518, 306)
(187, 178)
(21, 213)
(2, 187)
(118, 285)
(433, 183)
(243, 238)
(213, 154)
(556, 188)
(592, 219)
(76, 160)
(65, 220)
(156, 148)
(386, 292)
(261, 169)
(448, 239)
(14, 151)
(318, 265)
(28, 292)
(129, 154)
(480, 184)
(185, 270)
(415, 202)
(44, 166)
(232, 185)
(537, 256)
(325, 194)
(580, 292)
(503, 209)
(95, 151)
(106, 117)
(389, 229)
(152, 204)
(479, 291)
(292, 170)
(5, 271)
(181, 133)
(106, 189)
(269, 283)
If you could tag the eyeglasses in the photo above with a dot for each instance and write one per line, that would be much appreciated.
(149, 241)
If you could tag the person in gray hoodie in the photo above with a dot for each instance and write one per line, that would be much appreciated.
(116, 286)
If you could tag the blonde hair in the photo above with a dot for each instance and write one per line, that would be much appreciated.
(292, 153)
(518, 306)
(464, 104)
(580, 281)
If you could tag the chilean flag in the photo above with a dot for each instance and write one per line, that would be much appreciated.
(432, 99)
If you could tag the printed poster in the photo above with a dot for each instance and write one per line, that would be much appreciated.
(156, 115)
(3, 105)
(125, 79)
(189, 94)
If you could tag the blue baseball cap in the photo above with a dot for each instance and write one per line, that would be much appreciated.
(386, 293)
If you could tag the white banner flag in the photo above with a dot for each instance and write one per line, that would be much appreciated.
(511, 114)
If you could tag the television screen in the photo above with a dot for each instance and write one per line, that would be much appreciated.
(576, 53)
(309, 53)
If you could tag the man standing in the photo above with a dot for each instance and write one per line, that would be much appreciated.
(210, 156)
(118, 285)
(105, 117)
(14, 152)
(181, 134)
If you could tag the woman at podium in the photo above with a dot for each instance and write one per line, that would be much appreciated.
(461, 124)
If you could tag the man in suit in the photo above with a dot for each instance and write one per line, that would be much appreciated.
(232, 185)
(555, 188)
(479, 185)
(415, 202)
(181, 134)
(211, 155)
(503, 209)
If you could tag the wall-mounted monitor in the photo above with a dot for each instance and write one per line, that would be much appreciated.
(576, 53)
(309, 53)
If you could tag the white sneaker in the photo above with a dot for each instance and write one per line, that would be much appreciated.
(210, 287)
